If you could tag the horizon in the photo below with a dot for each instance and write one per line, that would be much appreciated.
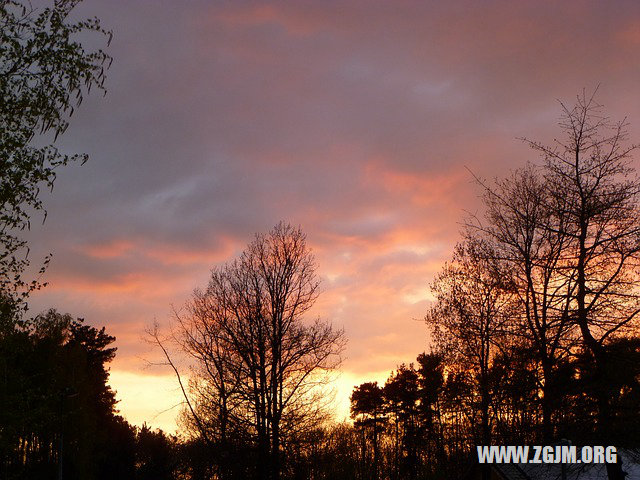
(361, 124)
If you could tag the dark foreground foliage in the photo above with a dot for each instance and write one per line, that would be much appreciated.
(58, 415)
(57, 410)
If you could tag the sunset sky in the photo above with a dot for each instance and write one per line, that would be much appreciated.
(358, 121)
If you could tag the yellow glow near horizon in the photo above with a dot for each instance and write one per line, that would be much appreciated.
(156, 399)
(143, 398)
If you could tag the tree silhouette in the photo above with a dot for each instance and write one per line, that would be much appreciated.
(367, 408)
(259, 367)
(58, 412)
(591, 178)
(156, 455)
(535, 319)
(431, 383)
(401, 394)
(525, 223)
(470, 316)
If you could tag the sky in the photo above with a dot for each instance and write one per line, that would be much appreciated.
(361, 122)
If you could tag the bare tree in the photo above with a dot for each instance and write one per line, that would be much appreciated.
(526, 225)
(470, 315)
(591, 177)
(590, 174)
(259, 366)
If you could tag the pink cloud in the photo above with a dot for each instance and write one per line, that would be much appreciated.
(355, 120)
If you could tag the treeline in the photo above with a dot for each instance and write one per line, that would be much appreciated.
(426, 420)
(58, 415)
(57, 412)
(533, 326)
(535, 318)
(534, 323)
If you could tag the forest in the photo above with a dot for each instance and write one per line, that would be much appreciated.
(533, 323)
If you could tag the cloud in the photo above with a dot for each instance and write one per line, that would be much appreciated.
(356, 120)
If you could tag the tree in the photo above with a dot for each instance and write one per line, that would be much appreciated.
(156, 455)
(470, 316)
(591, 177)
(259, 366)
(515, 373)
(419, 425)
(623, 378)
(430, 386)
(568, 233)
(401, 394)
(327, 453)
(57, 410)
(44, 74)
(367, 408)
(525, 223)
(600, 195)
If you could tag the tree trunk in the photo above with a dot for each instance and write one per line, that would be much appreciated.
(275, 452)
(547, 426)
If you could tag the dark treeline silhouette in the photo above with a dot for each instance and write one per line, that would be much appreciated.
(535, 318)
(534, 323)
(57, 412)
(58, 417)
(534, 341)
(433, 430)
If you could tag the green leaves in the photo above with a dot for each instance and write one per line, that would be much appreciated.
(45, 71)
